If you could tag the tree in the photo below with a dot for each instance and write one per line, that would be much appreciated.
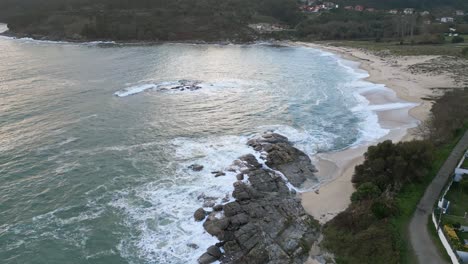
(366, 191)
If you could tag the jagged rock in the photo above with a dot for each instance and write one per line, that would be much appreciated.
(218, 207)
(214, 251)
(216, 227)
(243, 192)
(196, 167)
(240, 219)
(251, 161)
(206, 259)
(199, 214)
(295, 165)
(240, 177)
(232, 208)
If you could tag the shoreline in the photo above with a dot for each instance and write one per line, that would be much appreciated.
(337, 168)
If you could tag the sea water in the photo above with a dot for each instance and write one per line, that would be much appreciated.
(95, 140)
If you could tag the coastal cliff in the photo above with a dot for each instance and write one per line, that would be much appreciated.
(266, 223)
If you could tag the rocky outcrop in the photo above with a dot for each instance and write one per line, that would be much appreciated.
(266, 223)
(295, 165)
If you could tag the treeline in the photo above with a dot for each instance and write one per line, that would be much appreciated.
(368, 231)
(216, 20)
(342, 24)
(419, 4)
(147, 19)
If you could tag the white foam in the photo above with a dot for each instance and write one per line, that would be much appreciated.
(165, 225)
(135, 89)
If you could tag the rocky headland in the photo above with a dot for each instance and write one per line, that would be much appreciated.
(266, 223)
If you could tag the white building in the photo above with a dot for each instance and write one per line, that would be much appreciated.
(408, 11)
(425, 13)
(459, 13)
(447, 19)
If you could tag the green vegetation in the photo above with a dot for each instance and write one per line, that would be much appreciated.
(458, 197)
(212, 20)
(420, 4)
(374, 228)
(458, 39)
(209, 20)
(394, 48)
(465, 164)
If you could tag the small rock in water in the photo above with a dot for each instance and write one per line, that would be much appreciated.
(199, 214)
(193, 245)
(196, 167)
(218, 173)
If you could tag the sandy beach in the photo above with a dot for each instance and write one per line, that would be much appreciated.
(336, 169)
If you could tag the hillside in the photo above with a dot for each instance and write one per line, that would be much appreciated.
(146, 20)
(227, 20)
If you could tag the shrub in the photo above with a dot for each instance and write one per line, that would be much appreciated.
(389, 166)
(382, 209)
(429, 39)
(465, 52)
(458, 39)
(365, 191)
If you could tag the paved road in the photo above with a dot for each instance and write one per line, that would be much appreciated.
(422, 244)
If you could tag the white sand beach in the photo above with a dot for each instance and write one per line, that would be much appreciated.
(336, 169)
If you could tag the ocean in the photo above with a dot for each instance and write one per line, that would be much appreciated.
(96, 139)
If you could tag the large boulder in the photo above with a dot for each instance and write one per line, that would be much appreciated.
(199, 214)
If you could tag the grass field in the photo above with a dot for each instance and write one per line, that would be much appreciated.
(395, 48)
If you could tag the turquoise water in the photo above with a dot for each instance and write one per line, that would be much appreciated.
(90, 177)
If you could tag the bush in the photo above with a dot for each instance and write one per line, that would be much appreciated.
(465, 52)
(383, 209)
(458, 39)
(389, 166)
(366, 191)
(429, 39)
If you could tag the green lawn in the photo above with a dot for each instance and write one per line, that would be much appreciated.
(465, 164)
(458, 200)
(451, 219)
